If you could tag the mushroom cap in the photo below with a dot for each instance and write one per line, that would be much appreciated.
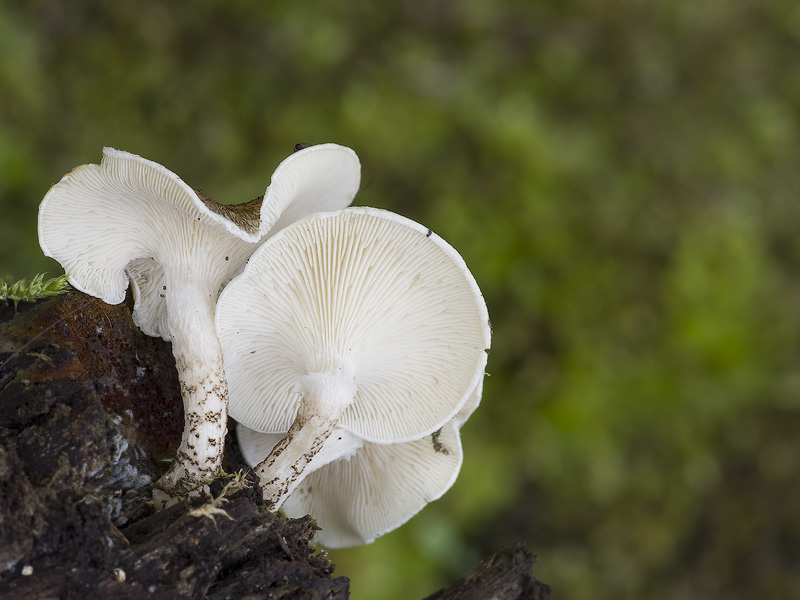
(377, 488)
(360, 292)
(150, 307)
(99, 218)
(318, 178)
(469, 406)
(131, 218)
(359, 498)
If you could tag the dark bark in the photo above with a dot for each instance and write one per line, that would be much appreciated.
(89, 409)
(184, 552)
(505, 575)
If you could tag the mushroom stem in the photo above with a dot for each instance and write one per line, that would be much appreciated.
(198, 359)
(308, 444)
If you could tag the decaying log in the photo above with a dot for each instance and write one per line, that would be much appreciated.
(90, 410)
(88, 407)
(505, 575)
(229, 547)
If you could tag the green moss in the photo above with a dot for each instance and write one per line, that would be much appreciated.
(35, 289)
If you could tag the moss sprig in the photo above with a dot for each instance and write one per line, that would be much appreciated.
(35, 289)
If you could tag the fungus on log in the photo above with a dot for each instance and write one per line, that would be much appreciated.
(89, 408)
(130, 218)
(355, 319)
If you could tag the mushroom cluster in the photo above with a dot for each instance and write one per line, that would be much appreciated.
(353, 335)
(348, 343)
(131, 219)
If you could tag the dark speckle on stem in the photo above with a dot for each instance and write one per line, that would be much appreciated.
(437, 445)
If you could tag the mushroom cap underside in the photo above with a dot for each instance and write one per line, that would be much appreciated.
(319, 178)
(379, 488)
(99, 218)
(363, 293)
(130, 218)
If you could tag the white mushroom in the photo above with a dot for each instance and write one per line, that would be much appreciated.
(358, 319)
(361, 496)
(131, 218)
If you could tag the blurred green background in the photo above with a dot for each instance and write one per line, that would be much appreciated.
(621, 177)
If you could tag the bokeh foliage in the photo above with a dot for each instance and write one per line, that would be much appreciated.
(622, 178)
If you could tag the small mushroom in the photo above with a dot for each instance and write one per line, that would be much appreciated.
(131, 218)
(376, 489)
(356, 319)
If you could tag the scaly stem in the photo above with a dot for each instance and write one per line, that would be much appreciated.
(304, 449)
(198, 359)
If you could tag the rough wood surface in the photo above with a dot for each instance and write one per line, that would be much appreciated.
(505, 575)
(89, 410)
(88, 407)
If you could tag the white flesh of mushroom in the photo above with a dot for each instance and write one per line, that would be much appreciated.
(132, 218)
(360, 319)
